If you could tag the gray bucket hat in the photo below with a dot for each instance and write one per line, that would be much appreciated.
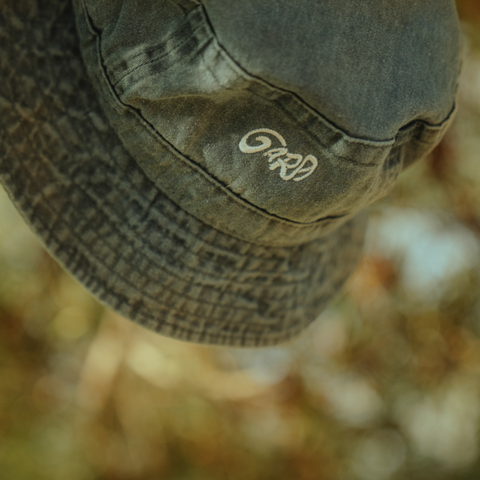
(202, 166)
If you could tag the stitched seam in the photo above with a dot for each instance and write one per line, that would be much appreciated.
(405, 135)
(154, 134)
(98, 32)
(156, 59)
(308, 107)
(277, 89)
(214, 181)
(315, 138)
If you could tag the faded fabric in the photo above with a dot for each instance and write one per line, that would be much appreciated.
(189, 189)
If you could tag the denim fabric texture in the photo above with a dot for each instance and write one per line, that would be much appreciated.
(203, 168)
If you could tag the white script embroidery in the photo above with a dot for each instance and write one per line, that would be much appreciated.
(292, 166)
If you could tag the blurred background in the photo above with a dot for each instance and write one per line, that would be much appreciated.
(385, 386)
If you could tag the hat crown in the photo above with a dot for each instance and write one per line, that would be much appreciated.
(245, 148)
(369, 66)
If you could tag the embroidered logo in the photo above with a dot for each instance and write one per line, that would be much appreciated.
(292, 166)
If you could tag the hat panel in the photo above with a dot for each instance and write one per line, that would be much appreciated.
(291, 176)
(197, 101)
(370, 66)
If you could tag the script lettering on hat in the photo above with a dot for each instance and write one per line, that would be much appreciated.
(292, 165)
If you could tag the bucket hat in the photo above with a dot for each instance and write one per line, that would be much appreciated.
(203, 167)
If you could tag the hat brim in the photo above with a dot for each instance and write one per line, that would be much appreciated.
(100, 216)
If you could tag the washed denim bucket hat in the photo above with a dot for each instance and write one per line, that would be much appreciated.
(203, 167)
